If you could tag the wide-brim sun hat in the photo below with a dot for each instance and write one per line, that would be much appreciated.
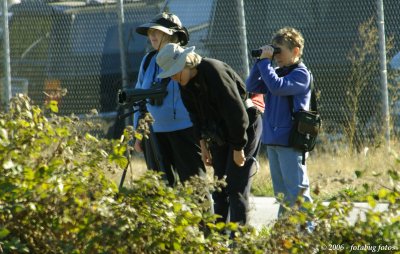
(142, 29)
(172, 59)
(165, 22)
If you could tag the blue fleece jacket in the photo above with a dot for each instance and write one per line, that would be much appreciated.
(172, 114)
(277, 120)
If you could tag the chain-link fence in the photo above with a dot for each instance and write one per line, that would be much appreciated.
(70, 51)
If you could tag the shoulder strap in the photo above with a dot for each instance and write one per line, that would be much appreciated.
(165, 81)
(146, 64)
(149, 56)
(313, 99)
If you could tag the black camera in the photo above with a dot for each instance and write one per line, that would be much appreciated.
(130, 96)
(258, 52)
(158, 100)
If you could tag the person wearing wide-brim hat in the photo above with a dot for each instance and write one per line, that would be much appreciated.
(227, 124)
(169, 24)
(179, 152)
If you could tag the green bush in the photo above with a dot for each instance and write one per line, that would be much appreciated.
(55, 198)
(376, 231)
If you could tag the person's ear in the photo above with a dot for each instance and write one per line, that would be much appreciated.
(296, 51)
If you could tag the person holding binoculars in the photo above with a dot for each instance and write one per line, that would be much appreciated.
(290, 81)
(178, 149)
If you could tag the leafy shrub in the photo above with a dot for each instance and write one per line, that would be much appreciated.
(55, 198)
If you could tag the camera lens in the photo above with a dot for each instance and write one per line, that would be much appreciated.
(256, 52)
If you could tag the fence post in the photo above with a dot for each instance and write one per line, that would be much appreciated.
(243, 35)
(383, 72)
(121, 22)
(6, 59)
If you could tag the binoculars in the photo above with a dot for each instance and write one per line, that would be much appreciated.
(258, 52)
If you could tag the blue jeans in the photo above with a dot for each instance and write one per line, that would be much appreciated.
(289, 176)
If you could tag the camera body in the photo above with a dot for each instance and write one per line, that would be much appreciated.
(158, 100)
(258, 52)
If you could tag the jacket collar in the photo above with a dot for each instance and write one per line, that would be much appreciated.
(285, 70)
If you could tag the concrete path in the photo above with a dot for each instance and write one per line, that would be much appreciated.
(264, 210)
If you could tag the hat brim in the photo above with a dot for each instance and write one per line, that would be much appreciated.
(178, 66)
(142, 29)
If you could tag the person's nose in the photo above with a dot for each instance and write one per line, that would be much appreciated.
(151, 33)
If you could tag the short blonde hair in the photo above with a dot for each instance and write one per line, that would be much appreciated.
(192, 60)
(289, 37)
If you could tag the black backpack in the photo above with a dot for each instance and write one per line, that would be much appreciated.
(306, 125)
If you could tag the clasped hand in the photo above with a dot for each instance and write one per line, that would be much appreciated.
(267, 52)
(238, 156)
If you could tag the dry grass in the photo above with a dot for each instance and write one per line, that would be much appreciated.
(353, 173)
(137, 168)
(330, 173)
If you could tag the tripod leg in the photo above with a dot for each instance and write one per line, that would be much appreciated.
(121, 183)
(154, 158)
(128, 155)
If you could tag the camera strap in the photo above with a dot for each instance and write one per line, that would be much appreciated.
(313, 99)
(147, 61)
(165, 81)
(146, 64)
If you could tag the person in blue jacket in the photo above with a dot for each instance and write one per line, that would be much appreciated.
(290, 81)
(180, 153)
